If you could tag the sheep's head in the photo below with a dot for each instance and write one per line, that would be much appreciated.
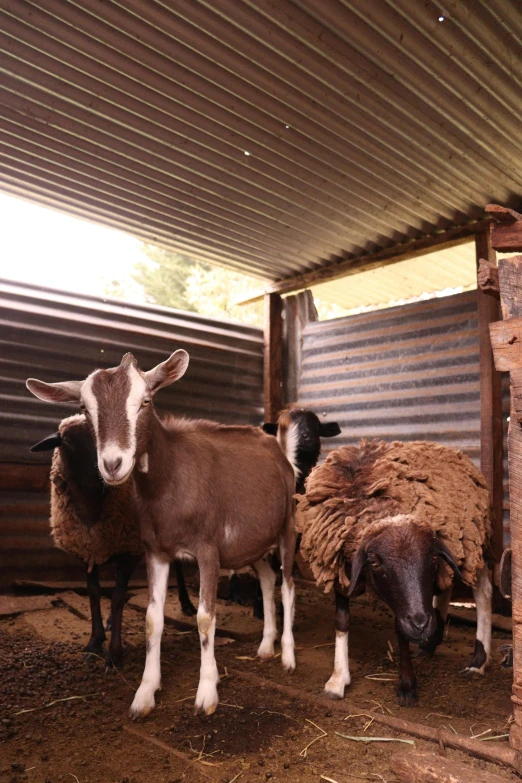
(401, 562)
(117, 404)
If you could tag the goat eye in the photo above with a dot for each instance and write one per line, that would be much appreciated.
(83, 408)
(145, 403)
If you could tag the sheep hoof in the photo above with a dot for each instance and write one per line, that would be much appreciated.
(189, 610)
(406, 695)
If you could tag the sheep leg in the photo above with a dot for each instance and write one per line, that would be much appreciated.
(482, 593)
(267, 580)
(287, 552)
(158, 578)
(407, 687)
(340, 678)
(187, 607)
(207, 695)
(441, 604)
(125, 565)
(95, 643)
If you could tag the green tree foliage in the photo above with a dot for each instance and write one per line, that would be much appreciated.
(164, 278)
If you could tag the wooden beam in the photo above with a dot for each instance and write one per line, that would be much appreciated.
(273, 334)
(510, 281)
(487, 278)
(506, 228)
(423, 767)
(343, 266)
(299, 310)
(491, 426)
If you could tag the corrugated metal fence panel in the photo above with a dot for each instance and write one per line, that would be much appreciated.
(408, 372)
(404, 373)
(56, 336)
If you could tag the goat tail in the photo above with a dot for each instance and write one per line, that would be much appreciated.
(288, 439)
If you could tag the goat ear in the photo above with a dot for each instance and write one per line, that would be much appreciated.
(168, 371)
(329, 429)
(67, 391)
(49, 443)
(358, 564)
(269, 427)
(443, 551)
(127, 360)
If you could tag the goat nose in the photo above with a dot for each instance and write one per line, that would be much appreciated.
(419, 621)
(112, 465)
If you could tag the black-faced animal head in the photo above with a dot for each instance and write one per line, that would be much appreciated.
(118, 406)
(299, 433)
(401, 563)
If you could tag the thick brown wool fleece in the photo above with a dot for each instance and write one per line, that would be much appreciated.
(116, 530)
(358, 490)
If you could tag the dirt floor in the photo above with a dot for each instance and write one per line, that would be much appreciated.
(62, 718)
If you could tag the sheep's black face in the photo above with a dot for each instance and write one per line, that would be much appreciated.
(401, 563)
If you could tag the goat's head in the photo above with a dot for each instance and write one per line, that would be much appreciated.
(310, 428)
(118, 406)
(401, 563)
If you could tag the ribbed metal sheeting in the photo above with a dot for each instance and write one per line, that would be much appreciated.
(55, 336)
(405, 373)
(270, 137)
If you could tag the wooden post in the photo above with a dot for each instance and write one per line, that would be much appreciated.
(272, 353)
(299, 310)
(510, 283)
(491, 428)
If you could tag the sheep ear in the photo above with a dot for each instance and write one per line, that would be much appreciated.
(358, 564)
(67, 391)
(329, 429)
(168, 371)
(49, 443)
(443, 551)
(269, 427)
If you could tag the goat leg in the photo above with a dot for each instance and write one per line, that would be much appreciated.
(187, 607)
(95, 644)
(158, 579)
(267, 580)
(482, 593)
(340, 678)
(125, 565)
(407, 687)
(207, 695)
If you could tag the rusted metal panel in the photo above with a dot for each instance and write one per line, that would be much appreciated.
(404, 373)
(271, 137)
(53, 335)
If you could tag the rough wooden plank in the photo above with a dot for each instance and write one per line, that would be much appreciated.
(503, 214)
(506, 342)
(10, 605)
(491, 424)
(273, 335)
(299, 310)
(505, 229)
(487, 278)
(424, 767)
(510, 281)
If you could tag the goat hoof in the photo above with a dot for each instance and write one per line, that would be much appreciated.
(142, 705)
(206, 697)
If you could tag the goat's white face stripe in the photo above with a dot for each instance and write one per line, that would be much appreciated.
(111, 450)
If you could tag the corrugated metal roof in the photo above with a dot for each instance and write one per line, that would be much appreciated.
(452, 268)
(364, 123)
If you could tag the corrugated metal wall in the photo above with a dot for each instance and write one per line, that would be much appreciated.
(57, 336)
(405, 373)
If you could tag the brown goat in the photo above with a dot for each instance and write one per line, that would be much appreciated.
(217, 494)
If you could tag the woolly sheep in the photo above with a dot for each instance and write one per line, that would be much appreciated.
(97, 524)
(406, 516)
